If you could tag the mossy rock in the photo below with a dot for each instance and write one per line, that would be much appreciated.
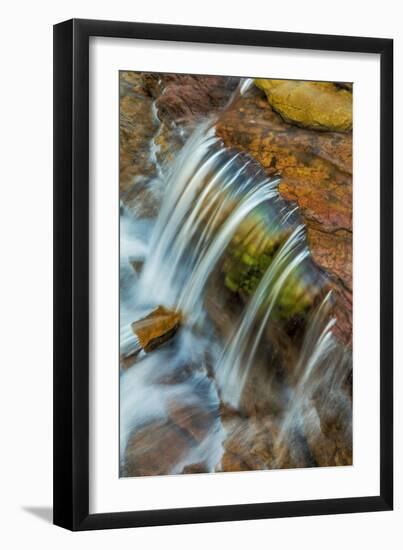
(314, 105)
(247, 262)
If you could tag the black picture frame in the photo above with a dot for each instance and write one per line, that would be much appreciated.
(71, 274)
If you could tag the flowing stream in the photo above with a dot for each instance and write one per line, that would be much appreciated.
(213, 200)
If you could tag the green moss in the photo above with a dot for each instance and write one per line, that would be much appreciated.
(247, 259)
(231, 284)
(246, 264)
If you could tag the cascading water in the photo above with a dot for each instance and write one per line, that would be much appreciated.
(234, 365)
(214, 200)
(323, 363)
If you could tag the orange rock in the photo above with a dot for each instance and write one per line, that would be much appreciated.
(156, 327)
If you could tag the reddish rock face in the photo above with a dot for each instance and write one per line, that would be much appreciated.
(187, 98)
(136, 130)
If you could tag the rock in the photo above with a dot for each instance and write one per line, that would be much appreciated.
(232, 463)
(329, 436)
(157, 327)
(184, 99)
(314, 105)
(155, 450)
(198, 468)
(145, 145)
(195, 420)
(315, 169)
(175, 376)
(330, 449)
(247, 445)
(136, 130)
(251, 445)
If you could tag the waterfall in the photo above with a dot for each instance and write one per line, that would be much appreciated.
(219, 215)
(209, 193)
(235, 363)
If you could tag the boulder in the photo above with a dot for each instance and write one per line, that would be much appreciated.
(314, 105)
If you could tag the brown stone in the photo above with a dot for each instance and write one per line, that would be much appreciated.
(155, 450)
(157, 327)
(232, 463)
(331, 442)
(197, 468)
(193, 419)
(249, 444)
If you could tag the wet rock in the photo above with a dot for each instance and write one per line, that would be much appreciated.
(197, 468)
(156, 328)
(329, 435)
(136, 130)
(127, 362)
(184, 99)
(276, 357)
(146, 145)
(245, 266)
(251, 445)
(331, 448)
(313, 105)
(155, 450)
(315, 169)
(195, 420)
(230, 462)
(142, 196)
(180, 102)
(175, 376)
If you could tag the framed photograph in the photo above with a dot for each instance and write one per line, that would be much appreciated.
(223, 320)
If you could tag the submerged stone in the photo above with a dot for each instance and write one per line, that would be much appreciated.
(155, 449)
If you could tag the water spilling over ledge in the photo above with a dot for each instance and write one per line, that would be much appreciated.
(225, 261)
